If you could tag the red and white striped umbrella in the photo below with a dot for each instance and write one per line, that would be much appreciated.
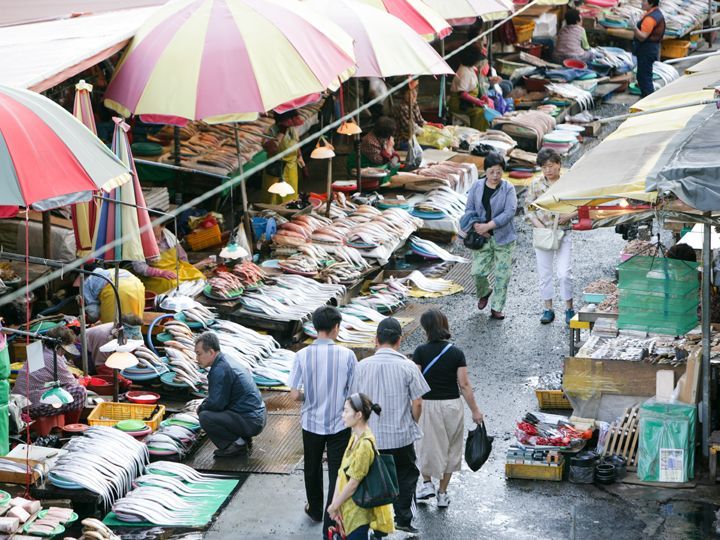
(48, 159)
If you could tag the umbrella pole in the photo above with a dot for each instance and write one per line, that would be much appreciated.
(177, 254)
(357, 138)
(118, 308)
(83, 326)
(243, 189)
(441, 102)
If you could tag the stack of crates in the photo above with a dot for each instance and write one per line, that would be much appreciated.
(658, 295)
(4, 396)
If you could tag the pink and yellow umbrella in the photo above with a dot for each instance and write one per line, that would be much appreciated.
(417, 15)
(83, 214)
(228, 60)
(456, 11)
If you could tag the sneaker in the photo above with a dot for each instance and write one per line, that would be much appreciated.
(548, 316)
(406, 527)
(425, 491)
(569, 314)
(443, 500)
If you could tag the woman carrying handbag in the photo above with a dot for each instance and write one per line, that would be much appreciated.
(356, 465)
(443, 365)
(551, 239)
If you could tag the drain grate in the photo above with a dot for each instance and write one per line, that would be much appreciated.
(277, 450)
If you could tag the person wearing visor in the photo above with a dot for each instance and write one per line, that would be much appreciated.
(32, 385)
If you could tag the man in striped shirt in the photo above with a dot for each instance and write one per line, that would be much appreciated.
(321, 378)
(395, 383)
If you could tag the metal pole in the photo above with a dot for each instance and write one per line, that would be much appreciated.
(693, 57)
(706, 275)
(357, 137)
(658, 110)
(83, 326)
(179, 169)
(329, 188)
(243, 192)
(47, 234)
(118, 307)
(704, 31)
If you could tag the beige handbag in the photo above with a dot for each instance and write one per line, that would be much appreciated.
(548, 239)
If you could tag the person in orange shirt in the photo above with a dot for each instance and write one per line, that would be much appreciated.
(646, 45)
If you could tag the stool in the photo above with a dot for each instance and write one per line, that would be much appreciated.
(44, 425)
(714, 449)
(460, 119)
(576, 325)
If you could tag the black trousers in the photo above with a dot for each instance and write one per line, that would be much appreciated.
(225, 427)
(408, 474)
(314, 446)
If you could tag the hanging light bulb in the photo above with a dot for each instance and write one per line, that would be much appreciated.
(121, 360)
(349, 127)
(282, 188)
(323, 150)
(232, 252)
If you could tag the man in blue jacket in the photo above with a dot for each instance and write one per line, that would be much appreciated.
(234, 411)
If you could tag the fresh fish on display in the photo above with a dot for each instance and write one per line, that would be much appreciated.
(431, 249)
(249, 273)
(226, 285)
(363, 312)
(186, 289)
(570, 91)
(199, 314)
(427, 284)
(445, 200)
(340, 272)
(103, 460)
(94, 529)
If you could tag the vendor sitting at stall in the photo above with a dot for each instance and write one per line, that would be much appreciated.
(288, 167)
(405, 111)
(99, 335)
(377, 148)
(572, 41)
(468, 91)
(234, 411)
(33, 386)
(160, 275)
(99, 296)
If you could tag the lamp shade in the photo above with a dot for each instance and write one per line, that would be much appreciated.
(56, 396)
(121, 360)
(349, 128)
(323, 150)
(282, 188)
(233, 251)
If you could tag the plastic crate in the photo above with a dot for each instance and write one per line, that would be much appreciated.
(109, 414)
(552, 399)
(535, 472)
(675, 48)
(203, 238)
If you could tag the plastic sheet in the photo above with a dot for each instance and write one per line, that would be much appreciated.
(4, 361)
(666, 450)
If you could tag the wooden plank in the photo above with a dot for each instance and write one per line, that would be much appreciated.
(631, 428)
(689, 388)
(587, 377)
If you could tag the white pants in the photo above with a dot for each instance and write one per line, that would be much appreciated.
(545, 259)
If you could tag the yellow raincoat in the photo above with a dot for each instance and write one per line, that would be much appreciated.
(168, 261)
(132, 298)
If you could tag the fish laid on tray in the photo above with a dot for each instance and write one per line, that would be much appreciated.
(226, 285)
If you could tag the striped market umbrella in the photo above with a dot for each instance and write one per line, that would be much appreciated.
(228, 60)
(384, 45)
(417, 15)
(456, 11)
(48, 159)
(83, 214)
(119, 217)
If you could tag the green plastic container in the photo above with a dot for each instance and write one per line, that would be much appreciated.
(4, 430)
(666, 450)
(4, 391)
(666, 303)
(4, 362)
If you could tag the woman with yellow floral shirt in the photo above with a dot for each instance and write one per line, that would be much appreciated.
(359, 456)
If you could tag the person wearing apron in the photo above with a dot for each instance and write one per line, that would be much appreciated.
(100, 303)
(287, 167)
(468, 91)
(649, 34)
(161, 275)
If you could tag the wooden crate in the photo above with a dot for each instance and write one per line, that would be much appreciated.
(535, 472)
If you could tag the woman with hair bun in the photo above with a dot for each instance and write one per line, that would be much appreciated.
(359, 456)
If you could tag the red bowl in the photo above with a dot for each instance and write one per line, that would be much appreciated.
(101, 385)
(75, 428)
(574, 63)
(135, 396)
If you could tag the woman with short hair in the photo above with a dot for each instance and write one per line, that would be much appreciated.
(490, 209)
(442, 421)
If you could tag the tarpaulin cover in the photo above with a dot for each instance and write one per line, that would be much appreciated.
(4, 361)
(4, 392)
(667, 442)
(691, 168)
